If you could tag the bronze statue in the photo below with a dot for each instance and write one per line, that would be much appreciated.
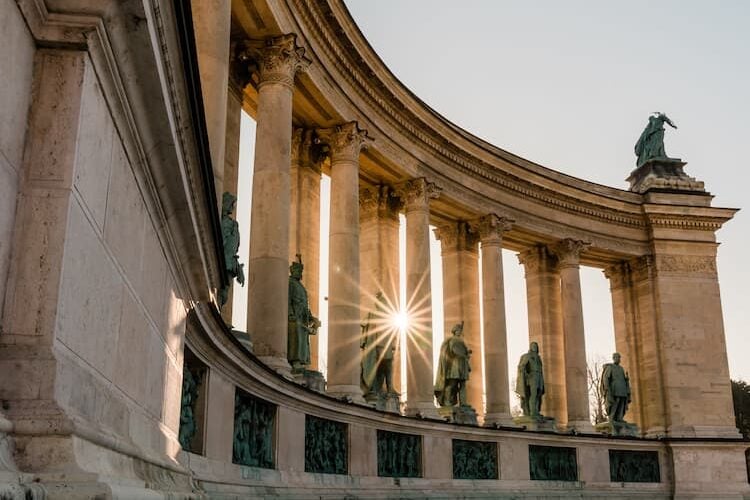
(453, 369)
(650, 144)
(302, 323)
(615, 387)
(378, 344)
(530, 381)
(230, 232)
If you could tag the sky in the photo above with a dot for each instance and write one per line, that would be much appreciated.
(570, 85)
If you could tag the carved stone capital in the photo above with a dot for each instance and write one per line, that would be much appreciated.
(491, 228)
(618, 275)
(379, 201)
(305, 153)
(642, 268)
(344, 141)
(537, 259)
(457, 236)
(568, 251)
(276, 59)
(417, 193)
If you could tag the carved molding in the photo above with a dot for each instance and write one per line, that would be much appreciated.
(491, 228)
(686, 264)
(344, 141)
(457, 237)
(642, 268)
(417, 193)
(276, 59)
(690, 223)
(305, 152)
(618, 275)
(568, 251)
(379, 201)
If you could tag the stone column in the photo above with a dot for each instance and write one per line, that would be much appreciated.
(379, 208)
(416, 194)
(345, 143)
(545, 326)
(278, 60)
(491, 229)
(231, 171)
(211, 23)
(624, 311)
(304, 224)
(459, 245)
(576, 380)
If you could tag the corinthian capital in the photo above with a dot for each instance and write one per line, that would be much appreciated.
(344, 141)
(618, 275)
(305, 153)
(568, 251)
(277, 59)
(417, 193)
(457, 236)
(379, 201)
(491, 228)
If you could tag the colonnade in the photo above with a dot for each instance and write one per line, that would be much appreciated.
(647, 290)
(363, 259)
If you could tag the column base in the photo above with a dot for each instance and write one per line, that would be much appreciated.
(499, 419)
(422, 409)
(580, 427)
(277, 364)
(351, 393)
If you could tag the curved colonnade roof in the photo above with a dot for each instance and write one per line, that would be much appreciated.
(347, 81)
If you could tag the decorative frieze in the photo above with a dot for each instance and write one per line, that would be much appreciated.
(326, 447)
(276, 59)
(417, 193)
(552, 463)
(693, 264)
(628, 466)
(399, 455)
(344, 141)
(474, 460)
(254, 421)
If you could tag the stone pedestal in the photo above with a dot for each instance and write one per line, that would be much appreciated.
(389, 401)
(540, 423)
(311, 379)
(459, 414)
(617, 429)
(663, 174)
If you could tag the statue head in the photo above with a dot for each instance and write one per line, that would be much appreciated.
(616, 358)
(458, 329)
(228, 201)
(534, 347)
(295, 270)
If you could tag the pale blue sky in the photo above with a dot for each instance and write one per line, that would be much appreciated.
(570, 85)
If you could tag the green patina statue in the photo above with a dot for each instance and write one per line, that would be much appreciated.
(530, 382)
(650, 144)
(230, 232)
(615, 387)
(453, 369)
(302, 323)
(378, 344)
(188, 424)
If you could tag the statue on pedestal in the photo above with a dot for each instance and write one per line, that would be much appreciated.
(453, 369)
(615, 387)
(650, 144)
(530, 382)
(302, 323)
(230, 232)
(378, 344)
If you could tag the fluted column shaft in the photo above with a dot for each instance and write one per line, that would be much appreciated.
(304, 224)
(379, 255)
(545, 326)
(278, 59)
(345, 142)
(576, 380)
(416, 194)
(491, 229)
(460, 256)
